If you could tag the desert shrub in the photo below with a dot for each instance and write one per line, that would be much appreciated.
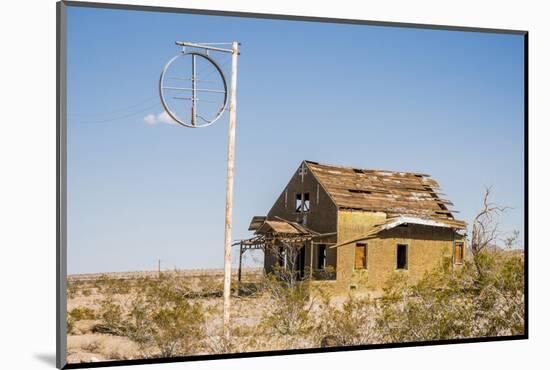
(428, 310)
(70, 325)
(112, 318)
(455, 302)
(288, 311)
(86, 292)
(71, 289)
(499, 305)
(82, 313)
(160, 316)
(109, 285)
(350, 324)
(210, 286)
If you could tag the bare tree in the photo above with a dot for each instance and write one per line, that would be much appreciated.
(485, 229)
(288, 256)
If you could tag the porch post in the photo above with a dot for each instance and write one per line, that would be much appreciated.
(240, 263)
(311, 260)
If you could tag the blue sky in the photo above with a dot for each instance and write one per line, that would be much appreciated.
(441, 102)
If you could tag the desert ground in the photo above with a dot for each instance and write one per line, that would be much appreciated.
(88, 340)
(137, 315)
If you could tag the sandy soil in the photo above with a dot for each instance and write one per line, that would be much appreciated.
(85, 344)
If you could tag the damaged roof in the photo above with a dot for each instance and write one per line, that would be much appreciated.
(390, 223)
(394, 193)
(282, 226)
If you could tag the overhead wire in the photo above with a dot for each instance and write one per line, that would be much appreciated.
(122, 116)
(118, 110)
(102, 117)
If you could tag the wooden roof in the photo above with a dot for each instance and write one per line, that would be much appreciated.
(256, 222)
(394, 193)
(283, 227)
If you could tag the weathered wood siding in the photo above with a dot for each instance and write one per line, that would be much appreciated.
(321, 217)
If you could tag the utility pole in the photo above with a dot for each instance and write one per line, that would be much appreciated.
(193, 123)
(229, 189)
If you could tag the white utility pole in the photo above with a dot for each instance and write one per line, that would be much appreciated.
(193, 123)
(229, 190)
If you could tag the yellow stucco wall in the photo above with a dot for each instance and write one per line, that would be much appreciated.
(426, 248)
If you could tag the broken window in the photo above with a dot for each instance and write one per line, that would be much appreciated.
(321, 256)
(361, 254)
(402, 257)
(306, 202)
(302, 202)
(459, 252)
(298, 204)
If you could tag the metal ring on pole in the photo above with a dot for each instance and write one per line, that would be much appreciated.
(162, 87)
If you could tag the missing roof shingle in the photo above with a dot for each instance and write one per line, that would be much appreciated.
(360, 191)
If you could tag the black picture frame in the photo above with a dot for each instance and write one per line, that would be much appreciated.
(61, 189)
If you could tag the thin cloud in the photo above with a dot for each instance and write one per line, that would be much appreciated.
(155, 119)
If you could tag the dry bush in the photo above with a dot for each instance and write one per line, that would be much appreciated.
(288, 311)
(451, 303)
(82, 313)
(351, 323)
(160, 317)
(72, 289)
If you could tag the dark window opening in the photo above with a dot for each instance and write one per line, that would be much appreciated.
(459, 252)
(321, 256)
(361, 255)
(300, 263)
(402, 263)
(302, 202)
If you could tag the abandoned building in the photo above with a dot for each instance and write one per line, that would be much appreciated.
(352, 228)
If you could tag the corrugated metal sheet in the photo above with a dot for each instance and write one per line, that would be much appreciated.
(390, 223)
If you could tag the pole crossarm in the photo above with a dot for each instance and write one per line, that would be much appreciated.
(206, 46)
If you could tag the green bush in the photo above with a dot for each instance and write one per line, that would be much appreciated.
(456, 302)
(82, 313)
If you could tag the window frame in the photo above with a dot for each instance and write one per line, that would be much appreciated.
(304, 205)
(462, 252)
(365, 264)
(406, 267)
(297, 206)
(322, 247)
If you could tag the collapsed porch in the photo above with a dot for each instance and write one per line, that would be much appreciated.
(292, 246)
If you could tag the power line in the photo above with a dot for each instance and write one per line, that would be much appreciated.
(123, 116)
(118, 110)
